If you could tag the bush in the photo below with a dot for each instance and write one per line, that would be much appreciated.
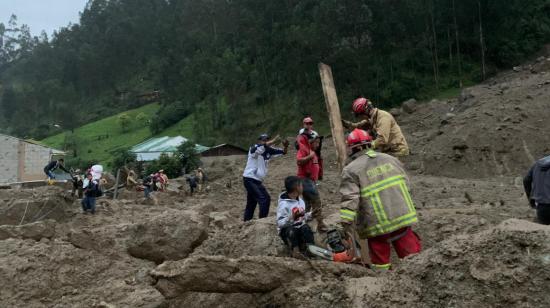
(170, 164)
(124, 121)
(121, 158)
(142, 118)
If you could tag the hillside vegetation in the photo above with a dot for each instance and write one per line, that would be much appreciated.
(245, 66)
(97, 141)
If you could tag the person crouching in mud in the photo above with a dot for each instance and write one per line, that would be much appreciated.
(292, 218)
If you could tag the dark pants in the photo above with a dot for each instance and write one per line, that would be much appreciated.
(543, 214)
(50, 174)
(255, 194)
(88, 204)
(147, 191)
(312, 198)
(297, 237)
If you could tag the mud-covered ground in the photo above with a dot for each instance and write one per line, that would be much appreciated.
(481, 245)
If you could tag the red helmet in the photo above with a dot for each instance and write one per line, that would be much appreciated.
(361, 105)
(358, 137)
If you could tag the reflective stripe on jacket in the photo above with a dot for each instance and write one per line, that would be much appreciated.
(375, 194)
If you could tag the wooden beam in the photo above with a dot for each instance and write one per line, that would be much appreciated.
(333, 109)
(115, 195)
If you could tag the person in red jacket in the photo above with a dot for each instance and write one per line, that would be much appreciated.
(309, 170)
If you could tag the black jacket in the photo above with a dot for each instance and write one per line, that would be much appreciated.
(54, 165)
(92, 190)
(537, 182)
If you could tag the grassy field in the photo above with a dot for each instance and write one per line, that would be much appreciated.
(97, 140)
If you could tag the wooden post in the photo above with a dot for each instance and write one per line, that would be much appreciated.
(116, 184)
(333, 109)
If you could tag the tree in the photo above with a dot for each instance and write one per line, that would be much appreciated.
(124, 121)
(188, 156)
(122, 158)
(232, 64)
(142, 118)
(170, 164)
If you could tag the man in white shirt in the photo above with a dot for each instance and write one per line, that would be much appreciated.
(254, 174)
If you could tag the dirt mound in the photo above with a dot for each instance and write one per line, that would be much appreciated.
(254, 238)
(493, 128)
(507, 265)
(51, 273)
(21, 206)
(36, 230)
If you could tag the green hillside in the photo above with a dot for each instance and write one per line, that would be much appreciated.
(98, 140)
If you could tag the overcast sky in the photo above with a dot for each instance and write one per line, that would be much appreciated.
(41, 15)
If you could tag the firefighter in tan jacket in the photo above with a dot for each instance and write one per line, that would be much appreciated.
(376, 201)
(389, 138)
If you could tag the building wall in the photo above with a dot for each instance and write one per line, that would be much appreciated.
(22, 161)
(35, 158)
(9, 160)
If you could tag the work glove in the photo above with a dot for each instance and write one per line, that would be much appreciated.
(347, 124)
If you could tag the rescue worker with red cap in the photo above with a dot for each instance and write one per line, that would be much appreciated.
(309, 170)
(382, 125)
(376, 201)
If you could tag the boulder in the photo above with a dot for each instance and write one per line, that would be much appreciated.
(409, 106)
(395, 112)
(254, 238)
(170, 236)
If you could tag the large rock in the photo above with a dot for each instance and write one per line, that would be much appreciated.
(171, 236)
(409, 106)
(219, 274)
(254, 238)
(395, 112)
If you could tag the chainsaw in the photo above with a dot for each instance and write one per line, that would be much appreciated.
(340, 250)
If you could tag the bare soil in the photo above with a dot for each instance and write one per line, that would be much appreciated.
(482, 247)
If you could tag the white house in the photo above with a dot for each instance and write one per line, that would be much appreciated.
(23, 160)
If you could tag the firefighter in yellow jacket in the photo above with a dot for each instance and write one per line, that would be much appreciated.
(376, 201)
(382, 125)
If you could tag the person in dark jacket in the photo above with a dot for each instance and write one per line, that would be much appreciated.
(54, 165)
(537, 188)
(192, 180)
(91, 188)
(148, 185)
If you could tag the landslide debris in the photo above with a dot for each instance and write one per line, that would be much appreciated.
(507, 265)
